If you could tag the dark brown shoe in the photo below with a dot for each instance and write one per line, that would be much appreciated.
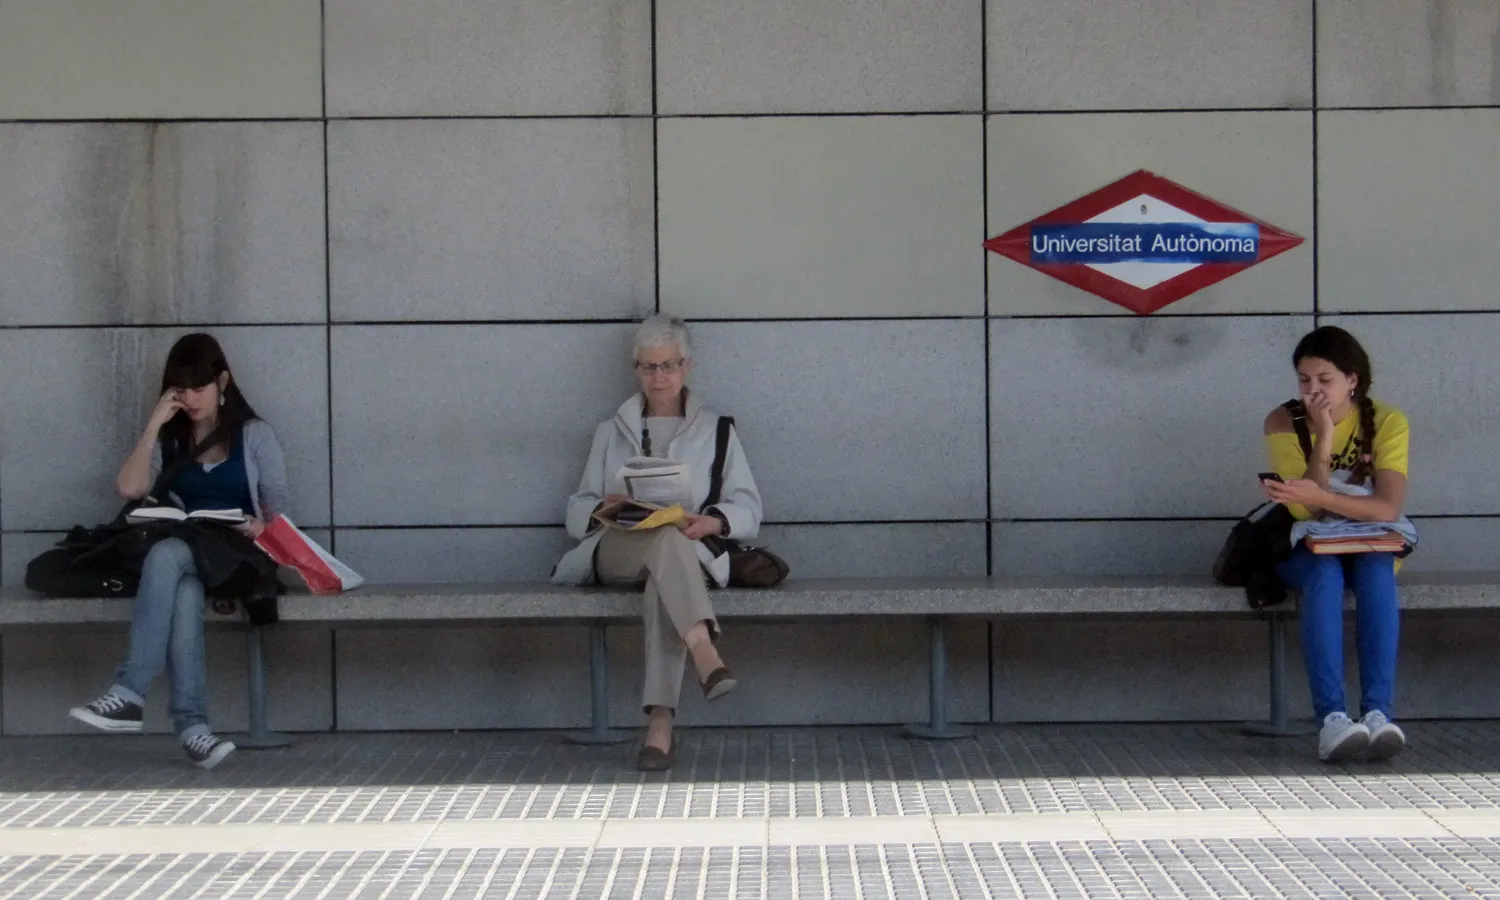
(654, 759)
(718, 683)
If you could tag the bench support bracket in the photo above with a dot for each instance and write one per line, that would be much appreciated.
(599, 731)
(260, 737)
(937, 728)
(1279, 724)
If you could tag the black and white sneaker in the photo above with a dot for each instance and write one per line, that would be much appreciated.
(110, 713)
(207, 749)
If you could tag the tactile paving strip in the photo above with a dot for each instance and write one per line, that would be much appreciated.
(1376, 869)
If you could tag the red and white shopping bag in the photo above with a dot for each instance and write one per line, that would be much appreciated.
(285, 543)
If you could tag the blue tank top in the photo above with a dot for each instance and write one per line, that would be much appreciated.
(223, 486)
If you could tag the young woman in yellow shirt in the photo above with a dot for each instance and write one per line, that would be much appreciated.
(1357, 470)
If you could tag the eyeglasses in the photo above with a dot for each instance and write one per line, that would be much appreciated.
(669, 367)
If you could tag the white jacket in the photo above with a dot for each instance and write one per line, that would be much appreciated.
(619, 439)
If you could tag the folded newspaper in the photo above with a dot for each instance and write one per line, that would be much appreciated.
(659, 481)
(638, 515)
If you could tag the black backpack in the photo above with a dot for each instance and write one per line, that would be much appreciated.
(1262, 538)
(105, 561)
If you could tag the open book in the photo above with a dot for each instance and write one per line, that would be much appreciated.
(638, 515)
(659, 481)
(173, 514)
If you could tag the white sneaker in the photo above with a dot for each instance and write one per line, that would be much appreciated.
(1386, 739)
(1341, 739)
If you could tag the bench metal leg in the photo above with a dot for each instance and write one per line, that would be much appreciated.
(260, 736)
(599, 731)
(1279, 725)
(937, 728)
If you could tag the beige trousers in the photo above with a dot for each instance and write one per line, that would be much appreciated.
(675, 599)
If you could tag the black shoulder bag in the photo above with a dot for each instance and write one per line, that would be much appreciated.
(749, 567)
(105, 561)
(1262, 538)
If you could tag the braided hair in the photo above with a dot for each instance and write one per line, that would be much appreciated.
(1340, 349)
(1365, 467)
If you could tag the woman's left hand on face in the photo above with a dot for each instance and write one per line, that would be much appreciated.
(252, 527)
(1299, 491)
(696, 527)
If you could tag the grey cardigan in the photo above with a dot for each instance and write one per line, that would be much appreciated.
(265, 467)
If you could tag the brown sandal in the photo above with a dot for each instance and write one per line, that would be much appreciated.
(718, 683)
(654, 759)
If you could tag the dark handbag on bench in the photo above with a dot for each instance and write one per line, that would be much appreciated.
(106, 560)
(103, 561)
(1262, 538)
(749, 567)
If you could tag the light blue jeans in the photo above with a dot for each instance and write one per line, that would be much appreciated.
(166, 632)
(1320, 580)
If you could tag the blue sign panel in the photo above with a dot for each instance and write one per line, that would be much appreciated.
(1150, 242)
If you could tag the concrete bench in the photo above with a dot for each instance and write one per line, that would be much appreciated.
(933, 600)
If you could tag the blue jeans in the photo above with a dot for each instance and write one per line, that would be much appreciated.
(1320, 581)
(166, 632)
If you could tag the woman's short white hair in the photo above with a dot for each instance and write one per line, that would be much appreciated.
(662, 330)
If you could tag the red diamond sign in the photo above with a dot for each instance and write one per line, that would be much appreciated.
(1143, 242)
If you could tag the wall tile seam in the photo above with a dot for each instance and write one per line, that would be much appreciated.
(1317, 244)
(708, 321)
(327, 293)
(822, 114)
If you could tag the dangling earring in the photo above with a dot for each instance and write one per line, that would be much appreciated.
(221, 399)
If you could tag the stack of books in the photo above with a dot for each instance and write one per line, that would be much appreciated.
(1384, 542)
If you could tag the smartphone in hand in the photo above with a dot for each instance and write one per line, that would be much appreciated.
(1270, 476)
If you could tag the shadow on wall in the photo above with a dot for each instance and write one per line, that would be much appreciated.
(1153, 345)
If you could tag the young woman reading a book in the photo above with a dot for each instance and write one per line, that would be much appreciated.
(1356, 472)
(663, 419)
(239, 466)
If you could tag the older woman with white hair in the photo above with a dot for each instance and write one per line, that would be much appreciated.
(663, 419)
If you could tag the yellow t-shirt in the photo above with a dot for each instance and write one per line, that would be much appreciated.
(1392, 437)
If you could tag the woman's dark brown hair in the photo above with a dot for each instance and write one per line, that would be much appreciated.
(1344, 353)
(194, 361)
